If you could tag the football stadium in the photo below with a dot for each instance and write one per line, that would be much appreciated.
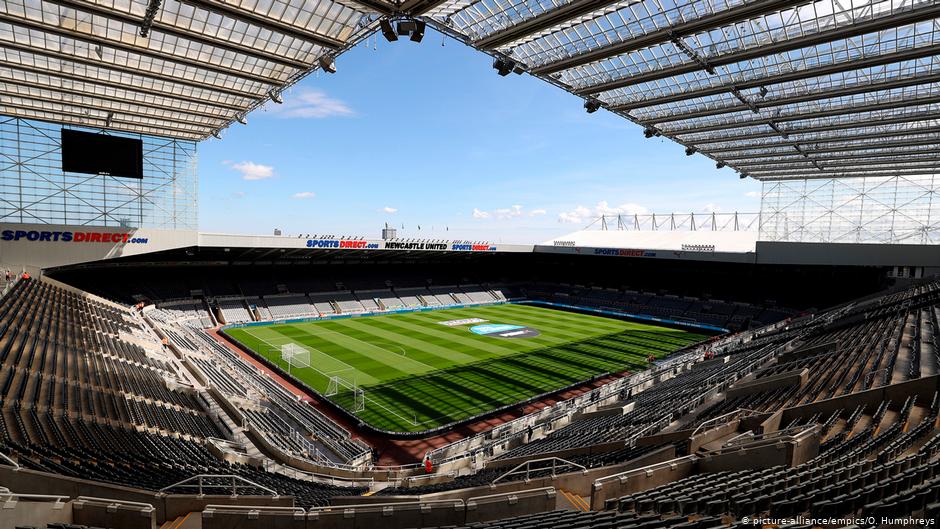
(441, 334)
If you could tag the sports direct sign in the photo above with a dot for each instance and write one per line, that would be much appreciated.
(102, 237)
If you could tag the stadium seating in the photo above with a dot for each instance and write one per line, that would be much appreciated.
(81, 396)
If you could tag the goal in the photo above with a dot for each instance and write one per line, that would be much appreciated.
(295, 355)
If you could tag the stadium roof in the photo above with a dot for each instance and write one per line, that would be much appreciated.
(772, 88)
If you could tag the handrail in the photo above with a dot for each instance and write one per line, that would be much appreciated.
(235, 479)
(111, 501)
(455, 501)
(9, 494)
(239, 508)
(528, 467)
(16, 466)
(662, 464)
(794, 431)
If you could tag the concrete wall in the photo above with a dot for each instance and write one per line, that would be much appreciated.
(27, 513)
(638, 480)
(25, 481)
(390, 515)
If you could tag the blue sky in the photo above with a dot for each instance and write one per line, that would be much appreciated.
(423, 134)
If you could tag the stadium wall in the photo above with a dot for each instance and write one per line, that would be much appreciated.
(35, 247)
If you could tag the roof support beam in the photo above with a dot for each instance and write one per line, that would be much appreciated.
(881, 60)
(216, 110)
(790, 100)
(124, 69)
(66, 119)
(806, 115)
(823, 37)
(63, 95)
(835, 139)
(92, 40)
(276, 26)
(184, 34)
(419, 7)
(845, 174)
(850, 154)
(809, 130)
(540, 22)
(116, 121)
(843, 165)
(857, 147)
(723, 18)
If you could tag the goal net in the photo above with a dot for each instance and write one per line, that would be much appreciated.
(295, 355)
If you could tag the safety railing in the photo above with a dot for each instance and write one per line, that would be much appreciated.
(218, 481)
(536, 465)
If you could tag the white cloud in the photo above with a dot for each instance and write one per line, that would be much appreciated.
(752, 194)
(537, 212)
(712, 208)
(508, 213)
(253, 171)
(304, 195)
(477, 214)
(311, 104)
(238, 194)
(389, 210)
(582, 214)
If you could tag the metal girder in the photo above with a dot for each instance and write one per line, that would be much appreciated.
(379, 6)
(853, 174)
(124, 69)
(65, 119)
(822, 37)
(93, 40)
(62, 95)
(861, 64)
(805, 115)
(540, 22)
(276, 26)
(115, 122)
(854, 153)
(714, 20)
(855, 147)
(834, 139)
(790, 100)
(82, 5)
(824, 165)
(419, 7)
(909, 164)
(116, 86)
(115, 112)
(815, 128)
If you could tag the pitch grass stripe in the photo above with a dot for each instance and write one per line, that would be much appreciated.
(570, 318)
(520, 368)
(552, 332)
(433, 354)
(366, 331)
(322, 360)
(344, 350)
(532, 316)
(375, 359)
(560, 315)
(469, 341)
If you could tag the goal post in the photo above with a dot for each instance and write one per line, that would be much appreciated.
(295, 356)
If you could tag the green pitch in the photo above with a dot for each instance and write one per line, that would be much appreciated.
(417, 374)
